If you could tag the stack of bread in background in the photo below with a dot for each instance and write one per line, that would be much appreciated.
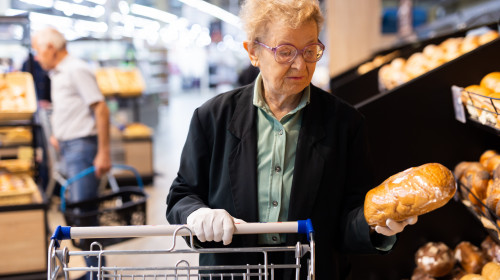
(435, 260)
(401, 70)
(482, 180)
(483, 101)
(118, 81)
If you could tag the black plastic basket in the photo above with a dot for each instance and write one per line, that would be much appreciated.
(126, 206)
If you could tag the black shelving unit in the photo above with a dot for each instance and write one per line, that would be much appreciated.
(28, 222)
(355, 88)
(415, 124)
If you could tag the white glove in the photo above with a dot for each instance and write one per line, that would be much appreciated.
(394, 227)
(212, 225)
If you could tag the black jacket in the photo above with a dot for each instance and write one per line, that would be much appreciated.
(331, 177)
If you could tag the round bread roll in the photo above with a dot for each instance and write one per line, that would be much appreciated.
(463, 166)
(476, 178)
(488, 37)
(491, 271)
(490, 249)
(412, 192)
(419, 274)
(470, 257)
(398, 63)
(492, 163)
(469, 43)
(472, 277)
(435, 258)
(490, 80)
(486, 155)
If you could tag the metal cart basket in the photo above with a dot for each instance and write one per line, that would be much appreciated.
(58, 258)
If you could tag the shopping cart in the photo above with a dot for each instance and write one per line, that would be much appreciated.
(58, 259)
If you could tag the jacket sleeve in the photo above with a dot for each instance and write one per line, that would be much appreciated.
(189, 190)
(356, 234)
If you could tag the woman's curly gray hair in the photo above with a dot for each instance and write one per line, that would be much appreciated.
(256, 15)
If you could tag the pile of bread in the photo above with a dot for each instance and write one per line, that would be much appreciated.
(10, 182)
(377, 61)
(12, 97)
(117, 81)
(483, 101)
(435, 260)
(401, 70)
(482, 182)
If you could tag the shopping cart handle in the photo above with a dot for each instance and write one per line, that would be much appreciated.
(305, 227)
(61, 233)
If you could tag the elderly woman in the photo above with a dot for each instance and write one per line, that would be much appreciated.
(279, 149)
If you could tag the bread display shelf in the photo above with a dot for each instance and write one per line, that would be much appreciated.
(483, 213)
(18, 195)
(483, 111)
(121, 82)
(17, 96)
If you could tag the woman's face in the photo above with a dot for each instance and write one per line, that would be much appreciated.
(290, 78)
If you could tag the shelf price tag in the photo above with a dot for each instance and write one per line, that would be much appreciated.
(457, 104)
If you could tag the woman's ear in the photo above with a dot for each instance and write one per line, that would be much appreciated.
(252, 52)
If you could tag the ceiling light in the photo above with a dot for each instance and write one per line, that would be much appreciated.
(152, 13)
(42, 3)
(214, 11)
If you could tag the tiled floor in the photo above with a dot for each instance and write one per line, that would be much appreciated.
(170, 134)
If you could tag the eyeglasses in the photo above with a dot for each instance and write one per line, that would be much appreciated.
(286, 53)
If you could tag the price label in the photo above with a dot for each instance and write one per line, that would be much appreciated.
(456, 92)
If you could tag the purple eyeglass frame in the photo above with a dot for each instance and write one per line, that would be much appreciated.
(297, 53)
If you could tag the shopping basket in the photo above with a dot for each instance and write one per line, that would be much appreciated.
(58, 259)
(118, 206)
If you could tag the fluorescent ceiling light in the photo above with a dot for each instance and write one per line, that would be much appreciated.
(14, 12)
(42, 3)
(214, 11)
(152, 13)
(70, 8)
(99, 2)
(50, 19)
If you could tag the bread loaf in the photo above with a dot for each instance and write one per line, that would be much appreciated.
(412, 192)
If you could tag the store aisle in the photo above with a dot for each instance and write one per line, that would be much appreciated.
(169, 136)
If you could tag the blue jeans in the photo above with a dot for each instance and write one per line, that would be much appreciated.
(77, 155)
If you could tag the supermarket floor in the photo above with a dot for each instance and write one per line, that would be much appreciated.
(169, 136)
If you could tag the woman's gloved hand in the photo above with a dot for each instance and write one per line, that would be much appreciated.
(394, 227)
(212, 225)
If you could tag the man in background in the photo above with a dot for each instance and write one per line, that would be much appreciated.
(80, 118)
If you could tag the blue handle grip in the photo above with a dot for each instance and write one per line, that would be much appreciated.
(305, 227)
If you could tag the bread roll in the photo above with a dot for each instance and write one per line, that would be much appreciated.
(491, 271)
(486, 155)
(470, 257)
(412, 192)
(472, 277)
(492, 163)
(491, 249)
(476, 178)
(435, 259)
(488, 36)
(491, 80)
(419, 274)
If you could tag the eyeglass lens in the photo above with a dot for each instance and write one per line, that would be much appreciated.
(287, 53)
